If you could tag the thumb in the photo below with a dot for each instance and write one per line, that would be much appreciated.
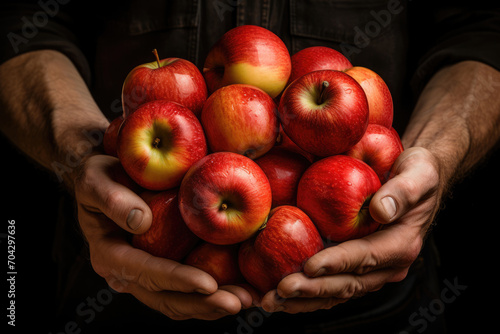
(415, 177)
(98, 191)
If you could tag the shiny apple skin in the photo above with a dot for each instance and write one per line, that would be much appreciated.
(379, 97)
(168, 237)
(287, 241)
(335, 193)
(220, 261)
(110, 137)
(379, 148)
(283, 141)
(182, 138)
(250, 55)
(224, 198)
(328, 125)
(317, 58)
(283, 169)
(177, 80)
(241, 119)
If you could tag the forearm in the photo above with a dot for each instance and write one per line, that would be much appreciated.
(48, 112)
(457, 117)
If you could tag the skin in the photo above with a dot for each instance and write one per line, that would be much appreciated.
(445, 138)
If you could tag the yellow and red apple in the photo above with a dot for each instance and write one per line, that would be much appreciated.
(378, 95)
(324, 112)
(159, 142)
(224, 198)
(250, 55)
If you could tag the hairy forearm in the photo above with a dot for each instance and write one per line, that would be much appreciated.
(48, 112)
(457, 117)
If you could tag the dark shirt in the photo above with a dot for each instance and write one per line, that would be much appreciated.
(405, 42)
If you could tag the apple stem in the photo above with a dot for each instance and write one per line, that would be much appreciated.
(324, 85)
(223, 206)
(157, 57)
(156, 142)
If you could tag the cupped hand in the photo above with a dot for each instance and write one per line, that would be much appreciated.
(405, 206)
(107, 210)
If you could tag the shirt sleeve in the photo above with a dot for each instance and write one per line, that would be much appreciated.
(460, 34)
(39, 25)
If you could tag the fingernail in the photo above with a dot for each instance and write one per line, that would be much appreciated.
(134, 219)
(389, 205)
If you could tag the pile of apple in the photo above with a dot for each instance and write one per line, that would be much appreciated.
(255, 165)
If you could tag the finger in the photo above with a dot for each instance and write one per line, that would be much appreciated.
(340, 286)
(181, 306)
(349, 256)
(241, 292)
(388, 248)
(118, 261)
(98, 192)
(415, 176)
(272, 302)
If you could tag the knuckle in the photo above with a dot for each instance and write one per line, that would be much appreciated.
(146, 279)
(113, 200)
(399, 276)
(353, 288)
(411, 253)
(167, 310)
(411, 188)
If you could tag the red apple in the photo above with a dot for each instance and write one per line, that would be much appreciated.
(119, 175)
(324, 112)
(379, 148)
(111, 136)
(283, 169)
(287, 241)
(159, 142)
(283, 141)
(168, 236)
(224, 198)
(220, 261)
(251, 55)
(317, 58)
(174, 79)
(378, 95)
(241, 119)
(335, 193)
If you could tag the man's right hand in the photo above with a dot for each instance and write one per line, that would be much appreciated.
(108, 210)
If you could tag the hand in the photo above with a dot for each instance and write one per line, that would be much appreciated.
(106, 209)
(406, 206)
